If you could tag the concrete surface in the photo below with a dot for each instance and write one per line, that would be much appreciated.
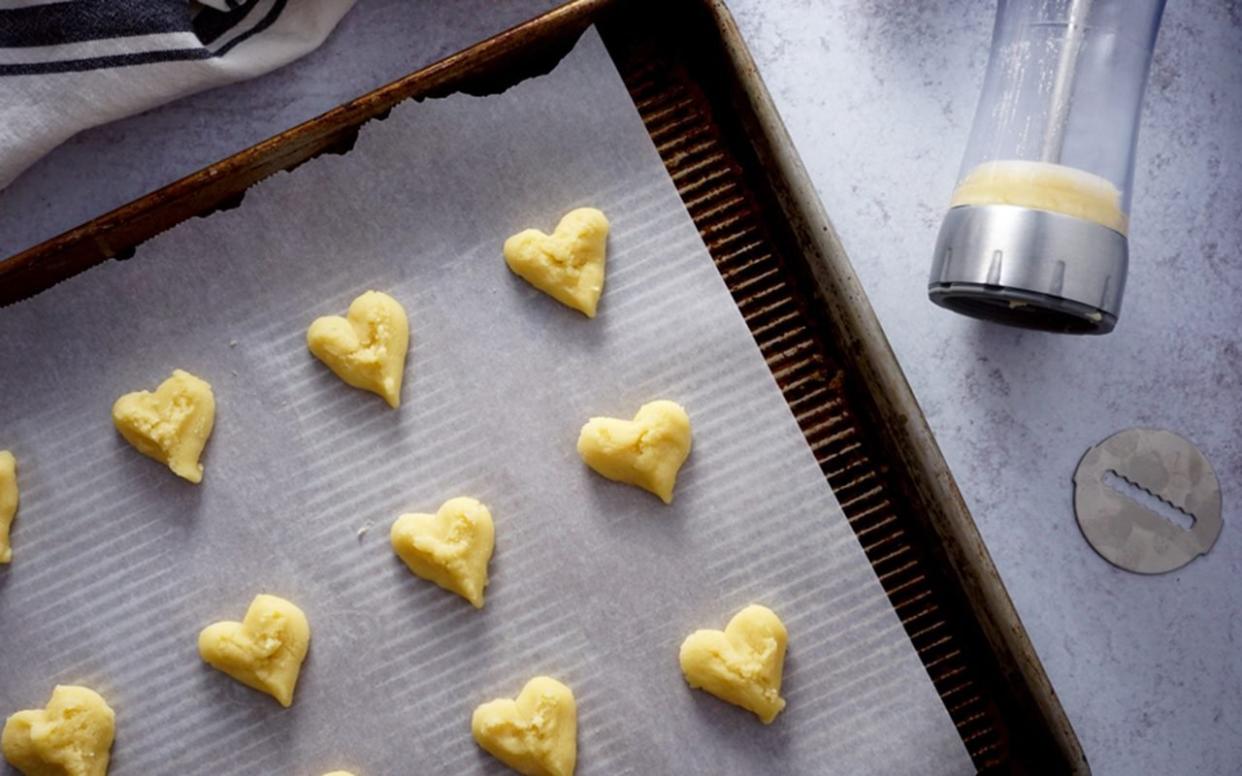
(879, 96)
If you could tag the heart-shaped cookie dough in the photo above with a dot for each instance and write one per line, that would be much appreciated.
(536, 735)
(264, 651)
(8, 502)
(743, 663)
(451, 547)
(567, 265)
(170, 425)
(367, 347)
(72, 736)
(647, 451)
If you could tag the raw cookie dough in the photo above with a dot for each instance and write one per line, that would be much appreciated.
(536, 735)
(742, 664)
(339, 773)
(264, 651)
(451, 547)
(647, 451)
(170, 425)
(367, 347)
(567, 265)
(8, 502)
(72, 736)
(1043, 186)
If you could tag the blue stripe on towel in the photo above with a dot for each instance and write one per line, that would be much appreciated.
(103, 63)
(210, 24)
(50, 25)
(152, 17)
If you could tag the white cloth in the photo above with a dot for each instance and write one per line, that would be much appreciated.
(66, 65)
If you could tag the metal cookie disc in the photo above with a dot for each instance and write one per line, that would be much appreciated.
(1128, 534)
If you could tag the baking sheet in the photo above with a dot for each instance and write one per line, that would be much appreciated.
(118, 564)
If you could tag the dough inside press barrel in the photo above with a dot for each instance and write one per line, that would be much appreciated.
(1043, 186)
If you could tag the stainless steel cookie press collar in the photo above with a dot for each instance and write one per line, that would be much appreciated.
(1030, 268)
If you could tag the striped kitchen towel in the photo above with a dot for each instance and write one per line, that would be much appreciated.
(66, 65)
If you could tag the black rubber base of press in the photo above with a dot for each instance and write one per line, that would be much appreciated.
(1024, 309)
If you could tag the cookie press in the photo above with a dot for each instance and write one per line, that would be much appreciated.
(1036, 231)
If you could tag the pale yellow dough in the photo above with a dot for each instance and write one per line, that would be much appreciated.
(1043, 186)
(451, 548)
(567, 265)
(743, 663)
(170, 425)
(8, 502)
(647, 451)
(367, 347)
(339, 773)
(536, 735)
(264, 651)
(72, 736)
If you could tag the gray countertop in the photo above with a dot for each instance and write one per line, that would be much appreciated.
(878, 96)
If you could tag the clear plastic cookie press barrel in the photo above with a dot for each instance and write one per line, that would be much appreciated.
(1036, 231)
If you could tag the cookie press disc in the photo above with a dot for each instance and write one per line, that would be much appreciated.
(1128, 534)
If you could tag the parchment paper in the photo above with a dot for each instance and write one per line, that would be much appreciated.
(118, 564)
